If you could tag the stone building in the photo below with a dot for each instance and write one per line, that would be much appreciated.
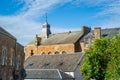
(11, 57)
(60, 43)
(89, 38)
(66, 42)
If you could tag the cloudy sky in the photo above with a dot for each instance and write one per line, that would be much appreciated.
(24, 18)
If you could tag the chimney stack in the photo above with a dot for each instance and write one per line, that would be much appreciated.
(97, 32)
(85, 30)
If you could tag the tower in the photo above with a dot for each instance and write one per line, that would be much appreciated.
(45, 29)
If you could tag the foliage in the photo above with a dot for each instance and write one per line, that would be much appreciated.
(102, 60)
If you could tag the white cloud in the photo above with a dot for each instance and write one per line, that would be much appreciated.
(108, 9)
(24, 24)
(20, 27)
(111, 9)
(111, 23)
(36, 8)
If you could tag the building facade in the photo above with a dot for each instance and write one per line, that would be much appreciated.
(97, 33)
(66, 42)
(11, 57)
(60, 43)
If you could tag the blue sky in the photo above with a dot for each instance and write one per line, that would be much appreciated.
(24, 18)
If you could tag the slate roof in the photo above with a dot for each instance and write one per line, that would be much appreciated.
(3, 31)
(110, 32)
(104, 32)
(64, 62)
(53, 74)
(60, 38)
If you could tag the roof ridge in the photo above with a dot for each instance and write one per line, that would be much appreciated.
(6, 32)
(65, 32)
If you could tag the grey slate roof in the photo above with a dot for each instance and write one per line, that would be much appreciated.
(110, 32)
(104, 32)
(60, 38)
(3, 31)
(53, 74)
(64, 62)
(73, 36)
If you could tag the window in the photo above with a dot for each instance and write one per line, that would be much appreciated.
(56, 52)
(32, 52)
(43, 53)
(11, 57)
(46, 64)
(18, 63)
(60, 64)
(49, 53)
(63, 52)
(86, 42)
(4, 53)
(30, 64)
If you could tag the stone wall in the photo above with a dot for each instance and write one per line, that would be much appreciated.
(49, 49)
(7, 44)
(85, 46)
(8, 56)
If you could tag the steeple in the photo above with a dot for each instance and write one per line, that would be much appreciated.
(45, 29)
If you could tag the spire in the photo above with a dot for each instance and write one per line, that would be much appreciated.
(45, 29)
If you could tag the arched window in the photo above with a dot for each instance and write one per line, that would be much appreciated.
(43, 53)
(4, 55)
(32, 52)
(56, 52)
(11, 57)
(18, 62)
(63, 52)
(49, 53)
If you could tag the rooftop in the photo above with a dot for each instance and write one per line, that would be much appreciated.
(3, 31)
(64, 62)
(60, 38)
(53, 74)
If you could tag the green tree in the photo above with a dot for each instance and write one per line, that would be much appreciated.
(113, 67)
(102, 58)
